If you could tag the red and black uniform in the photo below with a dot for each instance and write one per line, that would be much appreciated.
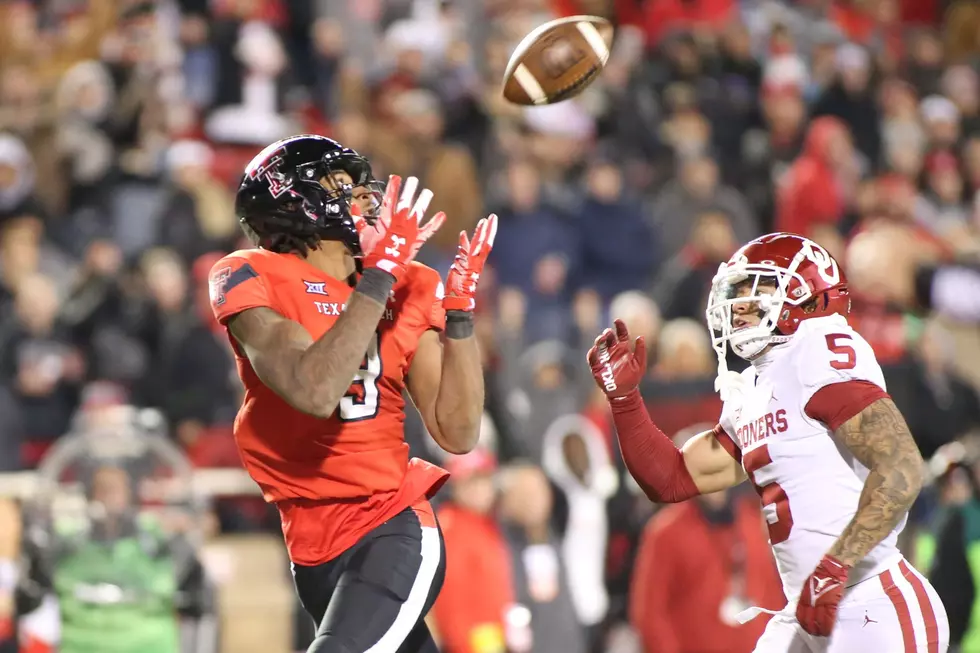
(343, 485)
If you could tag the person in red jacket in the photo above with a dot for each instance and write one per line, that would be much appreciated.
(478, 591)
(813, 191)
(700, 563)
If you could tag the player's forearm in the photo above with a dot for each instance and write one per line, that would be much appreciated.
(650, 456)
(327, 367)
(887, 496)
(459, 404)
(879, 438)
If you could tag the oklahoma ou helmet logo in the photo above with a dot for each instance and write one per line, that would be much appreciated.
(826, 265)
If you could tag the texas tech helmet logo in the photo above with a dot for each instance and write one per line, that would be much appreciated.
(268, 170)
(278, 184)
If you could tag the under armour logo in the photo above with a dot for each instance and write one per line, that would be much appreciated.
(868, 620)
(396, 242)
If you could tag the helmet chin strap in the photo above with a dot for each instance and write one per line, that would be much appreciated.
(730, 384)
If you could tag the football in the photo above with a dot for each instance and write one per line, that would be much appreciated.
(558, 60)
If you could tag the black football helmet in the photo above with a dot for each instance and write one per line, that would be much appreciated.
(281, 200)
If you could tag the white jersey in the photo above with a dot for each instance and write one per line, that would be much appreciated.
(809, 483)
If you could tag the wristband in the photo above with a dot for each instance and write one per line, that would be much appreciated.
(376, 284)
(459, 324)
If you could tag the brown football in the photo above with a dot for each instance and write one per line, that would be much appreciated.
(558, 60)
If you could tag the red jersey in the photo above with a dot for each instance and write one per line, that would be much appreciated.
(332, 479)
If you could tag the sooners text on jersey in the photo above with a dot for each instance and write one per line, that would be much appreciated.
(780, 426)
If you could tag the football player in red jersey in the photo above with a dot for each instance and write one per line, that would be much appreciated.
(330, 320)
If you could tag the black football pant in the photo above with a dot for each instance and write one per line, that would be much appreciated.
(373, 598)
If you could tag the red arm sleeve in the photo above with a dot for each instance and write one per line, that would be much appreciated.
(235, 285)
(650, 590)
(650, 456)
(836, 403)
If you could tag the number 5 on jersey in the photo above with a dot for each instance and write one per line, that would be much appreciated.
(361, 400)
(775, 503)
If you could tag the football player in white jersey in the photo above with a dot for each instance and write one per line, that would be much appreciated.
(810, 425)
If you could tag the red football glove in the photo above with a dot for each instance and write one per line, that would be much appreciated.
(401, 235)
(369, 234)
(822, 592)
(617, 367)
(471, 256)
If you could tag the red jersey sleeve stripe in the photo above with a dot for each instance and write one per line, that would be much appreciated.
(728, 442)
(836, 403)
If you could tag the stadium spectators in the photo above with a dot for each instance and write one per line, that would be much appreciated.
(124, 125)
(699, 564)
(468, 621)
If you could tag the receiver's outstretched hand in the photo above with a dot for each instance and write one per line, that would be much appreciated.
(618, 365)
(401, 233)
(471, 256)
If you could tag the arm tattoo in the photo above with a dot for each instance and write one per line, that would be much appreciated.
(311, 376)
(879, 437)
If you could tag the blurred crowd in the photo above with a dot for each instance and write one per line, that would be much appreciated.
(124, 127)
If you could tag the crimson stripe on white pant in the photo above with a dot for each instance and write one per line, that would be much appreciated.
(901, 608)
(925, 605)
(922, 630)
